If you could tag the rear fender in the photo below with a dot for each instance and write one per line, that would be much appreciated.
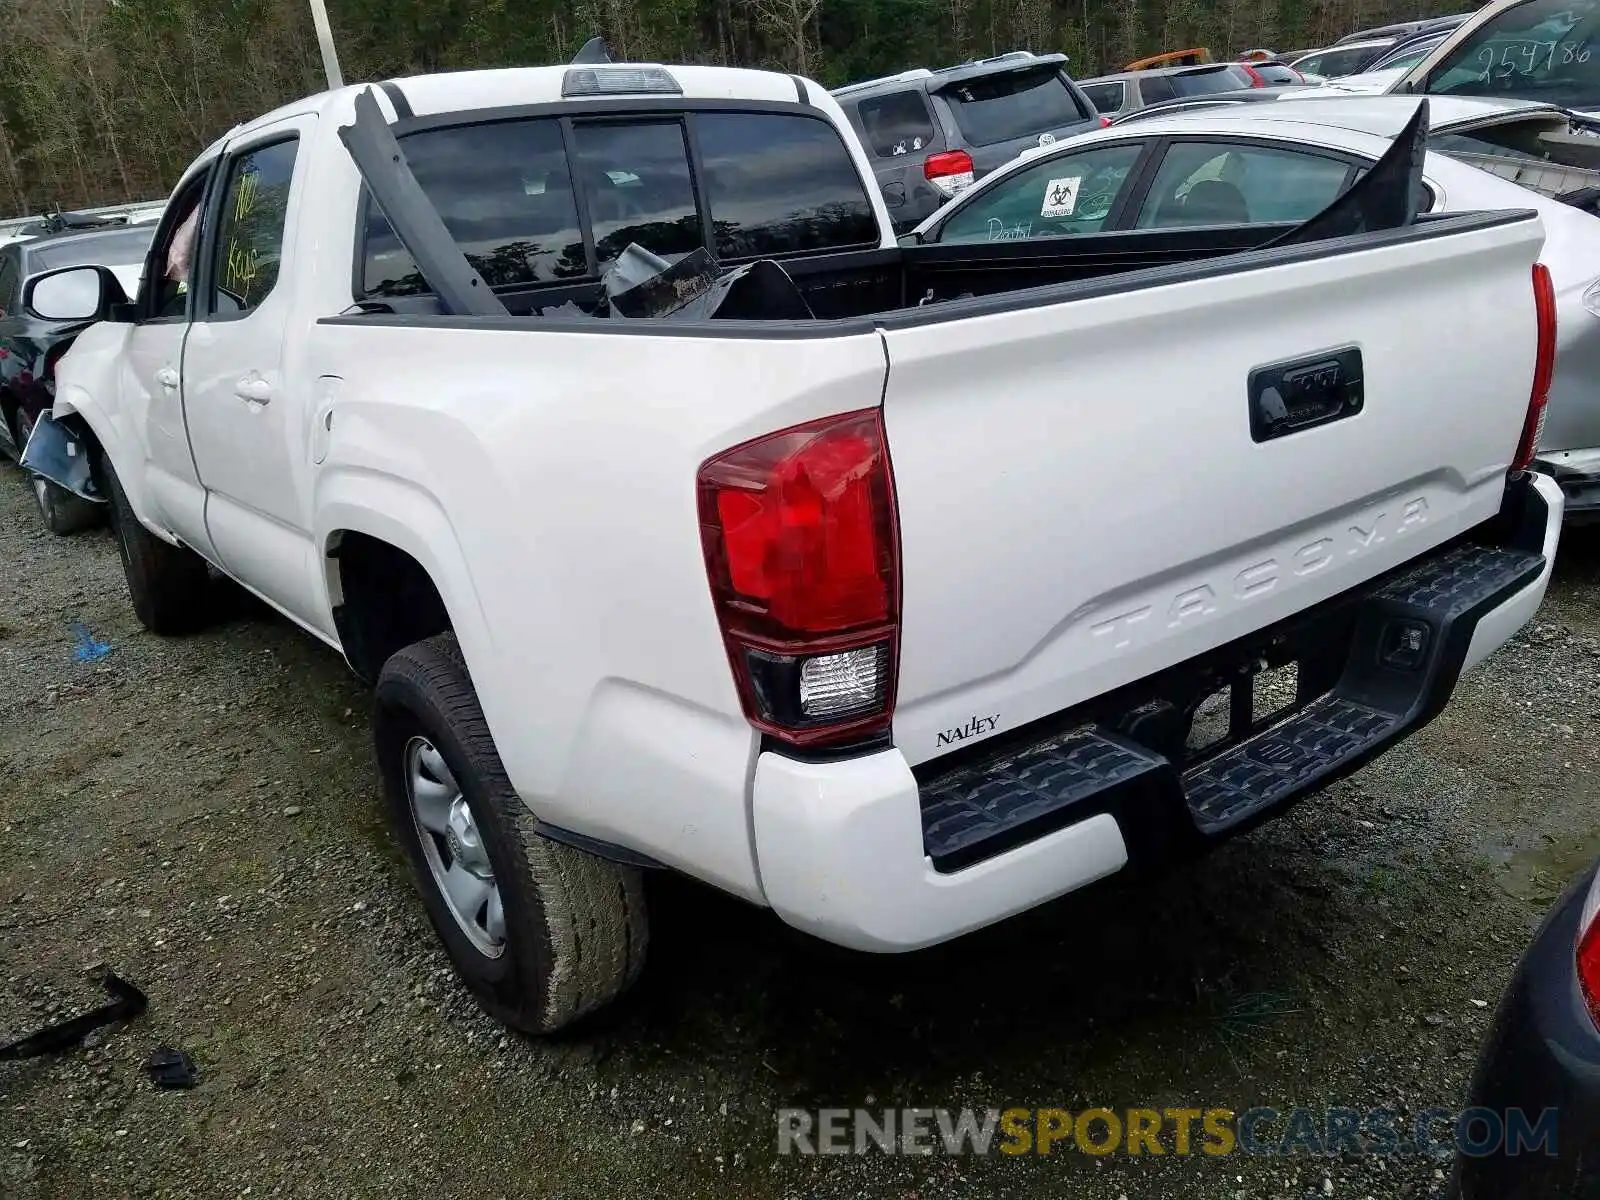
(409, 519)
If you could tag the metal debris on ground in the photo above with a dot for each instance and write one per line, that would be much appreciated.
(127, 1002)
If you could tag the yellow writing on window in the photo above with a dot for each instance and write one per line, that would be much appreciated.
(243, 262)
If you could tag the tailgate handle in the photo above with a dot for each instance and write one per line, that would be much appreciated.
(1302, 393)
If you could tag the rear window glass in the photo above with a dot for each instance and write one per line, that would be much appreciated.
(505, 194)
(896, 124)
(779, 184)
(1205, 83)
(1541, 50)
(1015, 104)
(638, 188)
(1106, 97)
(1157, 89)
(1331, 64)
(100, 249)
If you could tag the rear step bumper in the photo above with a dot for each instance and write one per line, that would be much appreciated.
(862, 853)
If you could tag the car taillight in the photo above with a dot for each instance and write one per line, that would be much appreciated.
(1256, 78)
(1544, 306)
(803, 553)
(949, 171)
(1105, 122)
(1589, 952)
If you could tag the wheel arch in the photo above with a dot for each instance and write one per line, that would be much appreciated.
(394, 571)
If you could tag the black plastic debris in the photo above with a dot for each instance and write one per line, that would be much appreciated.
(169, 1068)
(1388, 196)
(128, 1002)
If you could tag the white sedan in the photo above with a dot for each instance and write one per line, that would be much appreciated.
(1251, 171)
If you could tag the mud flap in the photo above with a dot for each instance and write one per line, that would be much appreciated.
(56, 453)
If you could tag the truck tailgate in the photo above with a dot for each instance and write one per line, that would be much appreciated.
(1085, 496)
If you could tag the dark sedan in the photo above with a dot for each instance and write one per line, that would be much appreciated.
(1539, 1074)
(30, 347)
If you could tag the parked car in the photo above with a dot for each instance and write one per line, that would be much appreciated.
(32, 345)
(56, 221)
(1407, 52)
(1526, 49)
(1349, 59)
(1127, 92)
(672, 607)
(931, 133)
(1278, 165)
(1539, 1070)
(1405, 29)
(1273, 73)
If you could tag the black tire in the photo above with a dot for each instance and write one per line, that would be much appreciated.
(63, 512)
(575, 925)
(170, 586)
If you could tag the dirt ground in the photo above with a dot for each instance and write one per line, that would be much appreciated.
(201, 816)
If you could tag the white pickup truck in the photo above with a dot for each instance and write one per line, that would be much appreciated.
(1007, 568)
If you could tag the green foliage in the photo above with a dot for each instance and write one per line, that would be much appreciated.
(108, 100)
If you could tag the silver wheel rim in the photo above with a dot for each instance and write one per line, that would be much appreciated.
(453, 848)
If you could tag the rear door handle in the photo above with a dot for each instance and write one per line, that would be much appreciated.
(254, 389)
(167, 377)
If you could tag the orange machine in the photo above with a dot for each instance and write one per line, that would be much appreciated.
(1172, 58)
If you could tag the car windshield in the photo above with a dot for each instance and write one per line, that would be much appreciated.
(1015, 104)
(122, 248)
(1541, 50)
(1222, 78)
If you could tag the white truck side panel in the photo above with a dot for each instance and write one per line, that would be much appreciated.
(562, 467)
(1082, 504)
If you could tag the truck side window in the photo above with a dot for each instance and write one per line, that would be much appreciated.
(637, 187)
(897, 124)
(249, 247)
(780, 184)
(505, 194)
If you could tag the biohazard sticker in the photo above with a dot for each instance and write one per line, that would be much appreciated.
(1060, 197)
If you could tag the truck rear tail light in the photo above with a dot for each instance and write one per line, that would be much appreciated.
(803, 556)
(1544, 305)
(1589, 952)
(950, 171)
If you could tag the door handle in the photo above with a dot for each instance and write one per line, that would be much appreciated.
(167, 377)
(254, 389)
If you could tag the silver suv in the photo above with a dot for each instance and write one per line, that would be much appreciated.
(932, 133)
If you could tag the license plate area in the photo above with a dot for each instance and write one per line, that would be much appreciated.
(1257, 696)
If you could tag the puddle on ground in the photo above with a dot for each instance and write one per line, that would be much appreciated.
(1541, 873)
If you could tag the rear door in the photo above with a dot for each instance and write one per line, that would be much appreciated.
(1082, 496)
(999, 114)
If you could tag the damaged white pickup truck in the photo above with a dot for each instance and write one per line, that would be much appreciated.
(897, 589)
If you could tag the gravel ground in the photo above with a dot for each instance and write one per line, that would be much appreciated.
(201, 816)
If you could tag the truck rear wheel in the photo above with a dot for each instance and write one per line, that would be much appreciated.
(169, 585)
(63, 512)
(541, 933)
